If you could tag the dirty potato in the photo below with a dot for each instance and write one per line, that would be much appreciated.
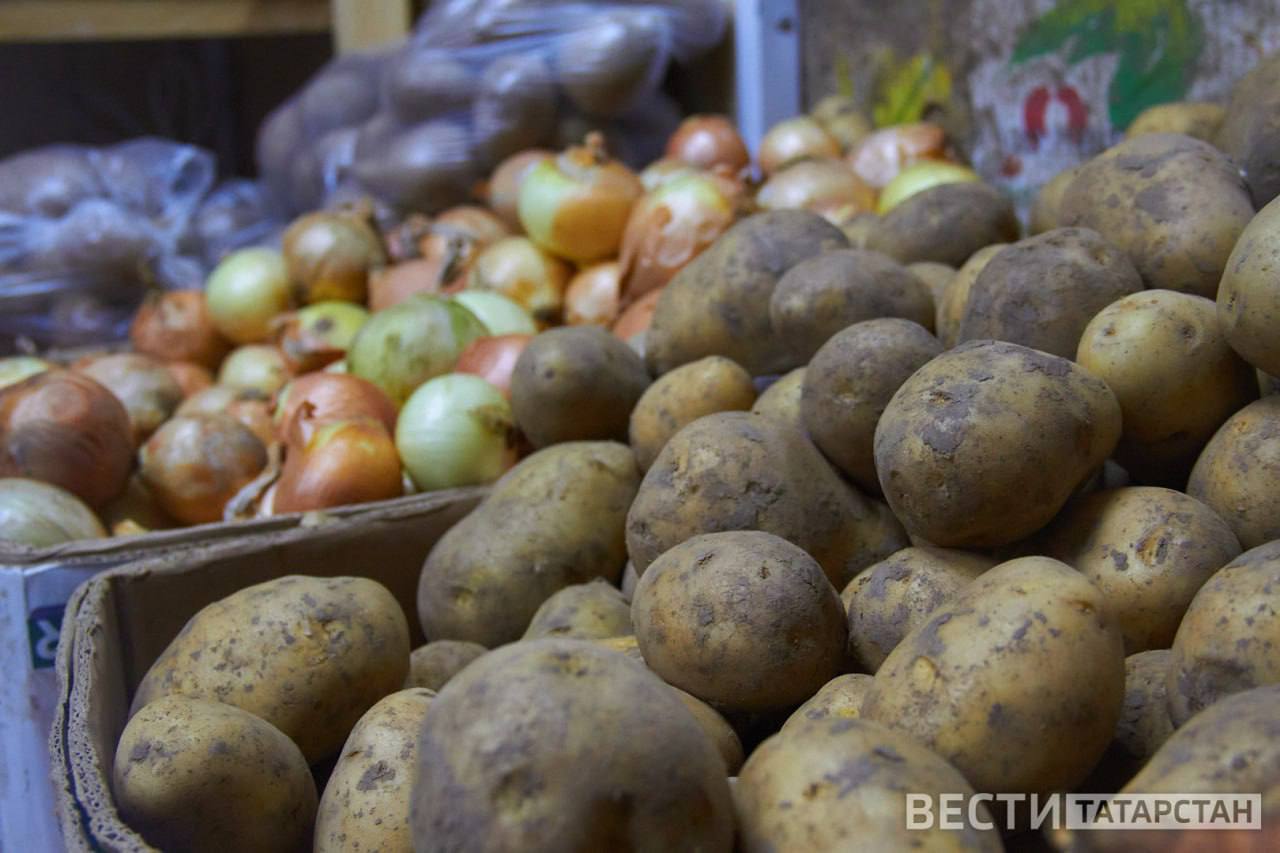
(781, 400)
(1144, 721)
(841, 697)
(1046, 210)
(432, 665)
(945, 224)
(936, 276)
(950, 307)
(1238, 473)
(677, 398)
(584, 611)
(1250, 130)
(1249, 297)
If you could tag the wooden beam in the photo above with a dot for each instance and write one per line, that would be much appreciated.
(98, 20)
(364, 24)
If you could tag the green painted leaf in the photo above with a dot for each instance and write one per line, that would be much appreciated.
(1068, 20)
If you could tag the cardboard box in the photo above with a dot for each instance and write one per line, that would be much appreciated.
(130, 598)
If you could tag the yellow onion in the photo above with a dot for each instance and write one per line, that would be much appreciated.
(64, 428)
(325, 398)
(919, 177)
(329, 257)
(518, 269)
(594, 296)
(501, 315)
(148, 390)
(795, 139)
(822, 186)
(247, 405)
(841, 118)
(392, 285)
(40, 514)
(135, 511)
(667, 169)
(177, 326)
(319, 334)
(636, 318)
(246, 292)
(576, 205)
(16, 368)
(493, 359)
(885, 153)
(505, 183)
(456, 430)
(258, 367)
(340, 463)
(471, 222)
(708, 141)
(191, 378)
(195, 464)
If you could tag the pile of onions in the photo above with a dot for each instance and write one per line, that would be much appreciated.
(523, 272)
(135, 511)
(500, 315)
(670, 227)
(251, 408)
(392, 285)
(191, 378)
(886, 152)
(195, 464)
(419, 339)
(246, 292)
(16, 368)
(840, 117)
(40, 514)
(659, 172)
(177, 326)
(576, 205)
(257, 367)
(822, 186)
(504, 185)
(62, 427)
(319, 334)
(594, 296)
(708, 141)
(340, 462)
(329, 397)
(328, 256)
(636, 319)
(147, 388)
(456, 430)
(493, 359)
(795, 139)
(475, 224)
(919, 177)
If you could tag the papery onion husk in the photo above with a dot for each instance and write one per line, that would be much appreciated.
(247, 405)
(135, 511)
(594, 296)
(319, 334)
(500, 314)
(15, 368)
(177, 326)
(329, 256)
(520, 270)
(493, 359)
(456, 430)
(822, 186)
(149, 392)
(39, 514)
(795, 139)
(341, 463)
(327, 397)
(885, 153)
(246, 292)
(667, 169)
(191, 378)
(504, 185)
(394, 284)
(636, 318)
(257, 367)
(194, 464)
(707, 141)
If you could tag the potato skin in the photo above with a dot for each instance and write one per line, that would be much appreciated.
(194, 774)
(1148, 549)
(553, 520)
(945, 224)
(680, 397)
(584, 611)
(1238, 473)
(715, 726)
(1046, 210)
(260, 649)
(1041, 292)
(1228, 638)
(838, 784)
(1144, 720)
(433, 664)
(1177, 380)
(743, 620)
(819, 296)
(1200, 119)
(955, 298)
(839, 698)
(890, 599)
(1249, 298)
(935, 276)
(366, 801)
(1018, 682)
(718, 303)
(576, 383)
(781, 400)
(1250, 130)
(563, 745)
(850, 381)
(983, 445)
(1174, 204)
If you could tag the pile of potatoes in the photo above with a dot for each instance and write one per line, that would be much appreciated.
(924, 506)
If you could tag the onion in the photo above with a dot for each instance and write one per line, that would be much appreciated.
(177, 326)
(191, 378)
(259, 367)
(493, 359)
(505, 183)
(402, 347)
(707, 141)
(639, 314)
(842, 118)
(343, 462)
(194, 464)
(500, 314)
(455, 430)
(246, 292)
(886, 152)
(149, 392)
(795, 139)
(319, 334)
(594, 296)
(16, 368)
(40, 514)
(135, 511)
(339, 366)
(477, 224)
(392, 285)
(576, 205)
(328, 397)
(247, 405)
(919, 177)
(64, 428)
(821, 186)
(669, 227)
(659, 172)
(517, 268)
(329, 256)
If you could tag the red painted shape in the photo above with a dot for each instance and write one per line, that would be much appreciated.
(1033, 115)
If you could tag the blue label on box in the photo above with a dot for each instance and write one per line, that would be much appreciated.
(43, 627)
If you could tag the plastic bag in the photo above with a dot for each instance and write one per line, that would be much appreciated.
(420, 125)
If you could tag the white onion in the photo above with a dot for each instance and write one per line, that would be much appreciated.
(16, 368)
(455, 430)
(41, 514)
(500, 314)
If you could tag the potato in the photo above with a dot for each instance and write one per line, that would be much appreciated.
(1046, 210)
(629, 580)
(850, 381)
(819, 296)
(1268, 384)
(983, 445)
(605, 62)
(945, 224)
(1228, 638)
(781, 400)
(1149, 550)
(936, 276)
(425, 167)
(194, 774)
(743, 620)
(1238, 473)
(711, 384)
(891, 599)
(625, 644)
(955, 298)
(1200, 119)
(1250, 130)
(553, 520)
(308, 655)
(1164, 356)
(857, 228)
(838, 784)
(366, 800)
(432, 665)
(558, 744)
(584, 611)
(741, 471)
(1144, 719)
(839, 698)
(576, 383)
(1018, 682)
(718, 304)
(1249, 297)
(1041, 292)
(1174, 204)
(715, 726)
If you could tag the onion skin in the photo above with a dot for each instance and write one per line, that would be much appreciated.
(191, 378)
(480, 225)
(822, 186)
(637, 317)
(135, 511)
(15, 368)
(795, 139)
(40, 515)
(500, 314)
(885, 153)
(325, 398)
(594, 296)
(661, 171)
(255, 367)
(394, 284)
(456, 430)
(522, 271)
(149, 392)
(177, 326)
(194, 464)
(707, 141)
(246, 292)
(919, 177)
(505, 183)
(493, 359)
(64, 428)
(329, 256)
(246, 405)
(319, 334)
(342, 462)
